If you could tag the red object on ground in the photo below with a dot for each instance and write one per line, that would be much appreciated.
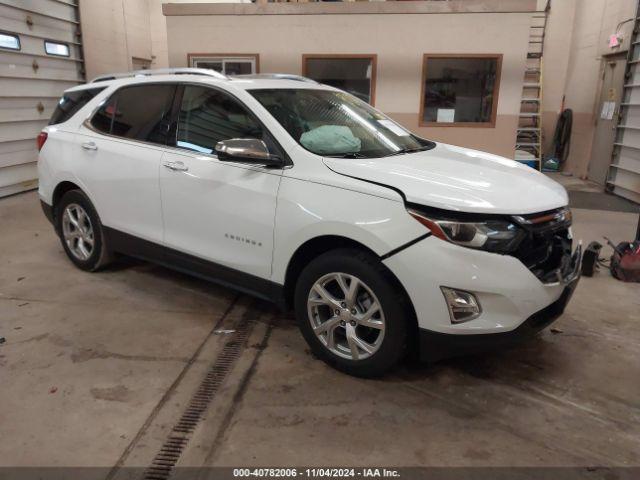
(625, 262)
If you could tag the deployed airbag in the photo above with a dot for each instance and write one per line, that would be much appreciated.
(331, 139)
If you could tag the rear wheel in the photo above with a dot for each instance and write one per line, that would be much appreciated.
(81, 232)
(350, 312)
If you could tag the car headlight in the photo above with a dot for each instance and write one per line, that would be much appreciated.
(493, 235)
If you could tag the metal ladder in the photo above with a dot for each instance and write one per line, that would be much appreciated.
(529, 131)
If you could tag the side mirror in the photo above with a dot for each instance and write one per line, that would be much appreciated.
(247, 150)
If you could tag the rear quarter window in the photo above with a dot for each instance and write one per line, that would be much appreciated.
(71, 102)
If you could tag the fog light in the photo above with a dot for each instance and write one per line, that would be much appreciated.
(463, 306)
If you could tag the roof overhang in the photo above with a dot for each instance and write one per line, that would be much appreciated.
(424, 7)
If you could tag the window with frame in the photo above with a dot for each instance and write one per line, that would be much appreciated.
(57, 49)
(71, 102)
(460, 90)
(9, 41)
(226, 64)
(137, 112)
(336, 124)
(355, 74)
(208, 116)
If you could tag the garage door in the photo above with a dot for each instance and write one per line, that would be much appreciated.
(624, 173)
(40, 57)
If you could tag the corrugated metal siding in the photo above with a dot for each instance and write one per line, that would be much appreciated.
(31, 81)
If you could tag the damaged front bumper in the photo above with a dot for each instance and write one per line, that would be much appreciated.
(437, 346)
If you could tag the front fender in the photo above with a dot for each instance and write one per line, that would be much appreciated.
(308, 210)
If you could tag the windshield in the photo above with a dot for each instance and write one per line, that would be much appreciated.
(336, 124)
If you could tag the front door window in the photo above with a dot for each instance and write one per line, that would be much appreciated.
(208, 116)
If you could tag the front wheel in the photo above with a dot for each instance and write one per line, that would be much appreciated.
(351, 313)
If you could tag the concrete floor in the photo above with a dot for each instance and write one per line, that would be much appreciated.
(96, 368)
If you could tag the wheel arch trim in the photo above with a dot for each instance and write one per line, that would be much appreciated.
(64, 184)
(322, 244)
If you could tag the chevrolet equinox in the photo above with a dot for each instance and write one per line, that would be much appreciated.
(383, 242)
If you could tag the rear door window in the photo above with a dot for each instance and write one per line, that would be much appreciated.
(71, 102)
(138, 112)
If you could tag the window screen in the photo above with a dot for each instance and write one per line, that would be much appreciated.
(12, 42)
(242, 65)
(71, 102)
(238, 67)
(353, 75)
(208, 116)
(140, 112)
(460, 89)
(55, 48)
(217, 66)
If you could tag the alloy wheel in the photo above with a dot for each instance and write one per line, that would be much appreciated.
(77, 231)
(346, 316)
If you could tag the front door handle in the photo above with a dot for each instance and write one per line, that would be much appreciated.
(89, 146)
(176, 166)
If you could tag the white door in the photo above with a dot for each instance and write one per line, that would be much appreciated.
(218, 211)
(121, 155)
(608, 108)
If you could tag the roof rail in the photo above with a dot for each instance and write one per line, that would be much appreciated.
(274, 76)
(162, 71)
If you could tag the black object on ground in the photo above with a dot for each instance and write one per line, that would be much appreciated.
(590, 259)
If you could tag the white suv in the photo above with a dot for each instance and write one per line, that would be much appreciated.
(299, 193)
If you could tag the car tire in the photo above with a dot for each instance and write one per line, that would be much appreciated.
(336, 324)
(80, 231)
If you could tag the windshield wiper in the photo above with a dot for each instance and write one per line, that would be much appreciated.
(402, 151)
(347, 155)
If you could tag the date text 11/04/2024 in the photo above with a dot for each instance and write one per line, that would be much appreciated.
(316, 472)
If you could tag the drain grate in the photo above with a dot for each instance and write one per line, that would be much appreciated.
(164, 462)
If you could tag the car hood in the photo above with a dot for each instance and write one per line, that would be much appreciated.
(459, 179)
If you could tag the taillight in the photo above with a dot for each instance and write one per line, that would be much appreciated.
(42, 137)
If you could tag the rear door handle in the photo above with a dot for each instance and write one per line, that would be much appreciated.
(89, 146)
(176, 166)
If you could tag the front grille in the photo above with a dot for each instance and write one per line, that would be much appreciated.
(546, 248)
